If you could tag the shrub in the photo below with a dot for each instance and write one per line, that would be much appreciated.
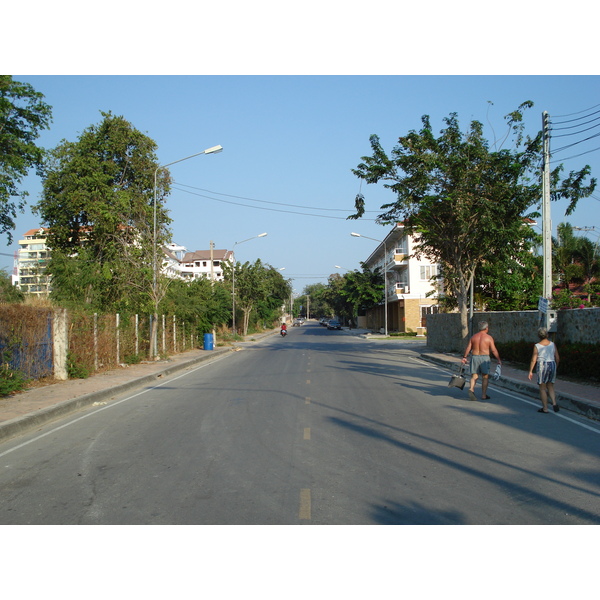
(10, 380)
(76, 370)
(581, 361)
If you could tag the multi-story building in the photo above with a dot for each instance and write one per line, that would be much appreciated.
(31, 260)
(206, 264)
(412, 291)
(33, 255)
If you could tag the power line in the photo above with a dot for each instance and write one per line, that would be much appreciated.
(576, 143)
(264, 201)
(573, 126)
(577, 113)
(265, 208)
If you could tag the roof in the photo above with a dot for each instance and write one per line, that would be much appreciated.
(206, 255)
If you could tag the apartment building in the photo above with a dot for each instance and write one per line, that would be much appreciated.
(29, 274)
(412, 294)
(207, 264)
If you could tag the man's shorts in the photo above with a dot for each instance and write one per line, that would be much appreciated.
(480, 364)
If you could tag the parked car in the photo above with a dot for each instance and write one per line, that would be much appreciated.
(297, 322)
(323, 321)
(333, 324)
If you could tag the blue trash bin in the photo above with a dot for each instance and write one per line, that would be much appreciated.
(208, 341)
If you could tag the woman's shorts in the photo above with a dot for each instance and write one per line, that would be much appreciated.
(546, 372)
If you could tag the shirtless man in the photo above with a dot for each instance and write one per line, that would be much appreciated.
(481, 344)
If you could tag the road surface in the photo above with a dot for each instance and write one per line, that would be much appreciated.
(318, 428)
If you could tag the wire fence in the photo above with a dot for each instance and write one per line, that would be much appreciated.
(95, 342)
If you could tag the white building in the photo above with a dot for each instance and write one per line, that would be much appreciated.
(30, 276)
(31, 260)
(207, 264)
(412, 294)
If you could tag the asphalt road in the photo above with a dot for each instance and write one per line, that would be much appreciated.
(316, 428)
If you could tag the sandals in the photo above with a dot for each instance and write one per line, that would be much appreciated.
(555, 407)
(542, 410)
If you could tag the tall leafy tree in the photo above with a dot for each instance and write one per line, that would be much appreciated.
(258, 287)
(463, 200)
(363, 290)
(23, 115)
(565, 250)
(201, 302)
(315, 301)
(98, 205)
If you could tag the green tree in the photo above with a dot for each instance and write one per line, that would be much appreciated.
(464, 201)
(565, 255)
(315, 300)
(23, 115)
(98, 205)
(259, 288)
(575, 261)
(8, 292)
(514, 284)
(200, 302)
(362, 290)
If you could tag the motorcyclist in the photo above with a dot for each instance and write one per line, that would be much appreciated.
(283, 329)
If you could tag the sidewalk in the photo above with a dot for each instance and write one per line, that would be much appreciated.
(39, 405)
(577, 397)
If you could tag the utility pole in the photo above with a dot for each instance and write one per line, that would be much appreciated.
(548, 317)
(546, 221)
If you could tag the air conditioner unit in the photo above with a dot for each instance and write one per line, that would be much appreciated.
(401, 289)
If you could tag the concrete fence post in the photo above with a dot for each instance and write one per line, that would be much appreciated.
(60, 344)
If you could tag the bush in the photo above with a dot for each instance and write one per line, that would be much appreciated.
(76, 370)
(132, 359)
(10, 380)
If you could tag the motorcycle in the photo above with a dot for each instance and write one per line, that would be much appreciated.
(283, 332)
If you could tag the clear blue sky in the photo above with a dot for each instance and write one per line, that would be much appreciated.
(290, 143)
(293, 93)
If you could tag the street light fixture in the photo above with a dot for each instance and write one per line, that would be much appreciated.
(212, 150)
(260, 235)
(385, 286)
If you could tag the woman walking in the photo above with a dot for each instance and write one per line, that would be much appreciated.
(546, 356)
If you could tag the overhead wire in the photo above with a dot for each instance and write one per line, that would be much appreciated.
(262, 201)
(577, 113)
(585, 118)
(179, 187)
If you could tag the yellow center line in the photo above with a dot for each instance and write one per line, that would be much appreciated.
(307, 400)
(307, 433)
(304, 512)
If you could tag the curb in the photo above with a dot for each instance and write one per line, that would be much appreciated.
(14, 427)
(563, 399)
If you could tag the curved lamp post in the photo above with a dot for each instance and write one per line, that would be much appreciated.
(233, 275)
(384, 275)
(213, 150)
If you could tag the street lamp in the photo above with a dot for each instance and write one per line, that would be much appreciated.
(384, 275)
(213, 150)
(233, 275)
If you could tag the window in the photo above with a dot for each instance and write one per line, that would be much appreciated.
(428, 271)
